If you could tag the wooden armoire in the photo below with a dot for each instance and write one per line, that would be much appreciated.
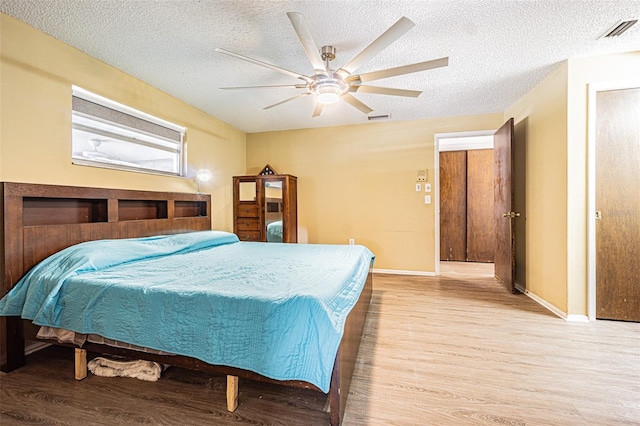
(265, 208)
(467, 220)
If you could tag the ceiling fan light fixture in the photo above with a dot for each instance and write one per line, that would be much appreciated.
(328, 94)
(329, 86)
(329, 89)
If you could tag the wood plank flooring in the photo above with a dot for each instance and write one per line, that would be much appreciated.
(450, 350)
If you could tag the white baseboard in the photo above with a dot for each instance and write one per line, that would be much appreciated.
(554, 309)
(34, 347)
(403, 272)
(545, 304)
(577, 318)
(519, 287)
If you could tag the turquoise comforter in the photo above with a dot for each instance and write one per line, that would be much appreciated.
(275, 309)
(274, 232)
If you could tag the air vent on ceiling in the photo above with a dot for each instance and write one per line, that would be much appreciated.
(378, 117)
(619, 28)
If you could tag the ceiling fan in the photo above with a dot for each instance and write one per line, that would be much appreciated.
(94, 153)
(329, 85)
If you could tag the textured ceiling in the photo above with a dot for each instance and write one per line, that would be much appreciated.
(498, 49)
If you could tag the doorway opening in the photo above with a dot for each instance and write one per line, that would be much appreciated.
(451, 142)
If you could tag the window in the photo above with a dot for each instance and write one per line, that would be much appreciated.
(112, 135)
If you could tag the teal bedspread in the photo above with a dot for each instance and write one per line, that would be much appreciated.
(275, 309)
(274, 232)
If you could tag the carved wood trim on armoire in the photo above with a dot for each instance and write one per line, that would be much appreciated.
(265, 208)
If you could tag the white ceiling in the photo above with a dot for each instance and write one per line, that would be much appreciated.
(498, 49)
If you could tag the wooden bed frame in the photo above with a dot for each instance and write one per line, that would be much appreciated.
(39, 220)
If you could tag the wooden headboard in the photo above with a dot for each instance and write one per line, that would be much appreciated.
(39, 220)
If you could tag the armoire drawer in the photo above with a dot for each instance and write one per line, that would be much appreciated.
(251, 210)
(247, 224)
(249, 235)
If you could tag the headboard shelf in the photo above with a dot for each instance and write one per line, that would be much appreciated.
(142, 209)
(189, 208)
(59, 211)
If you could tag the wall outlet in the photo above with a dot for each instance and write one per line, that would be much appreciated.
(427, 199)
(352, 241)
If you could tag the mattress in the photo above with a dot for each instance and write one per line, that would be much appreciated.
(275, 309)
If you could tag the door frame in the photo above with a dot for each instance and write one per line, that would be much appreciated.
(593, 89)
(442, 143)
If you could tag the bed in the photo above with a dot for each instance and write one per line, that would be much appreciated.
(274, 232)
(40, 220)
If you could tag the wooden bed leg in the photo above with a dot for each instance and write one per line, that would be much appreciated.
(81, 364)
(11, 344)
(232, 393)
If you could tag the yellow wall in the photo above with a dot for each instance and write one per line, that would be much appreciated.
(544, 111)
(359, 182)
(36, 75)
(582, 72)
(555, 114)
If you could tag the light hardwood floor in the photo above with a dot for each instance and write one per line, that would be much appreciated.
(460, 349)
(451, 350)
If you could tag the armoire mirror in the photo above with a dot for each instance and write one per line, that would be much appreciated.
(273, 210)
(247, 191)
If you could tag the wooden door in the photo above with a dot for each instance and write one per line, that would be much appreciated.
(481, 239)
(503, 187)
(618, 201)
(453, 205)
(520, 201)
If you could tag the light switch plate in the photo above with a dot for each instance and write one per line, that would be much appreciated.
(427, 199)
(418, 187)
(427, 187)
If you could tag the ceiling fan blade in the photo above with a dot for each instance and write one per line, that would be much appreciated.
(405, 69)
(385, 91)
(318, 109)
(300, 25)
(263, 64)
(356, 103)
(287, 100)
(378, 45)
(275, 86)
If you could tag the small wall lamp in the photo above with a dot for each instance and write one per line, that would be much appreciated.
(202, 176)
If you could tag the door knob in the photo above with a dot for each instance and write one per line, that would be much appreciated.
(511, 214)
